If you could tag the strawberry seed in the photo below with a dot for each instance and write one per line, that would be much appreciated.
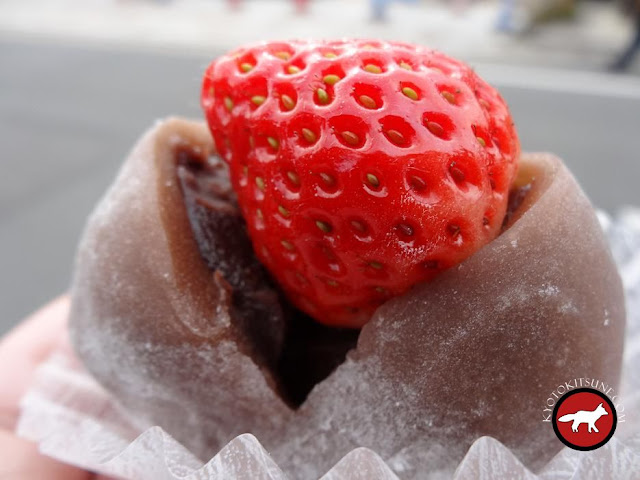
(359, 226)
(283, 211)
(273, 142)
(350, 137)
(294, 178)
(367, 102)
(258, 99)
(331, 79)
(324, 226)
(373, 180)
(410, 93)
(457, 174)
(396, 137)
(435, 128)
(287, 244)
(323, 96)
(406, 230)
(449, 97)
(417, 183)
(328, 179)
(287, 102)
(308, 135)
(283, 55)
(454, 230)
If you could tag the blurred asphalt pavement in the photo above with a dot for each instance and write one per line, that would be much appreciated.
(71, 109)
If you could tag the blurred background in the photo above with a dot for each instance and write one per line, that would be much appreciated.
(80, 80)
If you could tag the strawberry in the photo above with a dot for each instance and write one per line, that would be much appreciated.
(361, 168)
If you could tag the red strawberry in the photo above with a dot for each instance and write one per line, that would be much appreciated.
(361, 168)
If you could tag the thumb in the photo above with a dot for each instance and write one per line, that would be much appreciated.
(20, 460)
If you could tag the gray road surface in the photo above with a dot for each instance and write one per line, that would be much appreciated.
(68, 115)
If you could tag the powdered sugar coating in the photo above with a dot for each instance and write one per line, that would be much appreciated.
(152, 322)
(474, 353)
(478, 351)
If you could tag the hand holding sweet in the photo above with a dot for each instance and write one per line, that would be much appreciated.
(20, 353)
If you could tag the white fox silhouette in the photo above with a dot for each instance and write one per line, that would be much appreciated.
(585, 416)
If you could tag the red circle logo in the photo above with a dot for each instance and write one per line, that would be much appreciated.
(584, 419)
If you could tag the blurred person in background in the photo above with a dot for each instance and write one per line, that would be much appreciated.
(520, 16)
(461, 6)
(379, 9)
(300, 6)
(626, 57)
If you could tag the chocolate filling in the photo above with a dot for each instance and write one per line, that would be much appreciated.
(300, 351)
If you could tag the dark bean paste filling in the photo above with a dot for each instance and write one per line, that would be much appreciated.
(516, 198)
(300, 351)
